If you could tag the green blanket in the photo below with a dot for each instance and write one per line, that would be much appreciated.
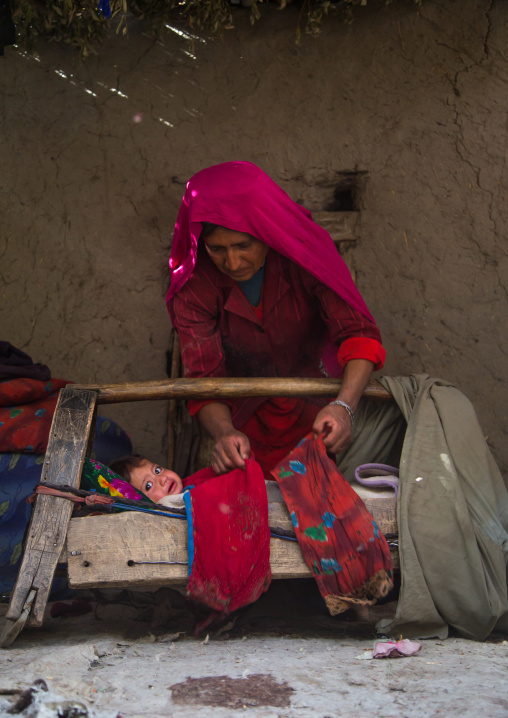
(452, 508)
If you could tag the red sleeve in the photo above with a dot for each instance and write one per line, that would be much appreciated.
(355, 335)
(362, 348)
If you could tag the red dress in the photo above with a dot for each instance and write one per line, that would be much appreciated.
(221, 335)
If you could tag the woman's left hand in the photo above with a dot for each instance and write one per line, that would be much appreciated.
(334, 423)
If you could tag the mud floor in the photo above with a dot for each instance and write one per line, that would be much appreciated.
(134, 654)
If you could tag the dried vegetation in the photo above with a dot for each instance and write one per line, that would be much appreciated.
(84, 24)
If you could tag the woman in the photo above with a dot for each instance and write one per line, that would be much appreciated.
(259, 289)
(265, 293)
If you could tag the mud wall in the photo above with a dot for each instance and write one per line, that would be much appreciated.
(95, 157)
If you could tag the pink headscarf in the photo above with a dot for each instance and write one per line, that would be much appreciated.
(240, 196)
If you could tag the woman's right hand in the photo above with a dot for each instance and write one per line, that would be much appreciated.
(230, 452)
(231, 446)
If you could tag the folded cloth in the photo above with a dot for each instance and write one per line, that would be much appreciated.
(378, 475)
(340, 540)
(15, 363)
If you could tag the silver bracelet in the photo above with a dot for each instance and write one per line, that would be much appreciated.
(346, 407)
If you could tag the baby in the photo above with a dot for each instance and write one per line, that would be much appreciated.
(156, 482)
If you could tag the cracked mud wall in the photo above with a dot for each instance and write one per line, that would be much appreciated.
(95, 157)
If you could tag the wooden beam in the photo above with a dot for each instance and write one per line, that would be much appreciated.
(137, 549)
(223, 388)
(50, 517)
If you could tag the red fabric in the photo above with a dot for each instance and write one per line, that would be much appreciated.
(229, 538)
(275, 429)
(78, 607)
(311, 306)
(240, 196)
(340, 541)
(26, 412)
(278, 424)
(220, 334)
(258, 311)
(362, 348)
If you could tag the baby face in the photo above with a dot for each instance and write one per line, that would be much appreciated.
(155, 481)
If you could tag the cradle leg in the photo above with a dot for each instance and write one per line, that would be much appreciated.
(11, 629)
(50, 517)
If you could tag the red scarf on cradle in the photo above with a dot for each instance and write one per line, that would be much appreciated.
(229, 538)
(340, 541)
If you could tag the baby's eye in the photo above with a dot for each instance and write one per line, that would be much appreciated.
(148, 485)
(157, 470)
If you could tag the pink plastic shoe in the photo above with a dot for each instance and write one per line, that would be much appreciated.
(395, 649)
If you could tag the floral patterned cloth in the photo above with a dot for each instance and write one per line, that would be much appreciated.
(340, 540)
(98, 477)
(26, 412)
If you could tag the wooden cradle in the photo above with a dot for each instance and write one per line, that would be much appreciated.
(134, 549)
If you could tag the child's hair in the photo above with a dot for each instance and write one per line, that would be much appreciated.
(125, 464)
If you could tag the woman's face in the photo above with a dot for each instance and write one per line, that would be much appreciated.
(236, 254)
(155, 481)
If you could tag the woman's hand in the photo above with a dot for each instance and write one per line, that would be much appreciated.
(334, 422)
(230, 452)
(231, 446)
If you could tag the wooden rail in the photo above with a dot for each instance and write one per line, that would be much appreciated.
(223, 388)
